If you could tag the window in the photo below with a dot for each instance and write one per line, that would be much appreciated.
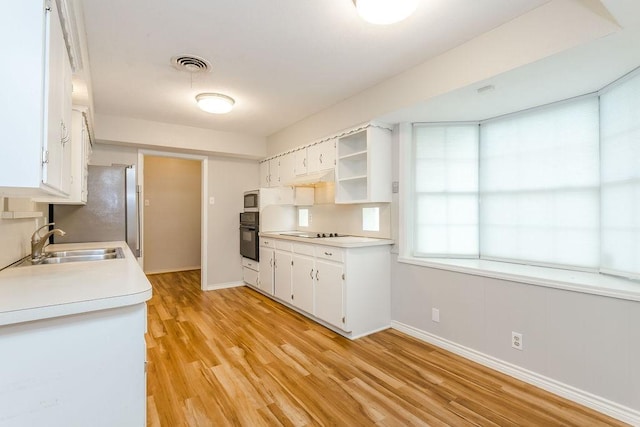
(446, 190)
(371, 219)
(539, 180)
(303, 217)
(620, 191)
(553, 186)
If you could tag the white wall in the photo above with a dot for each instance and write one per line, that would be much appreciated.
(228, 180)
(172, 214)
(107, 155)
(166, 136)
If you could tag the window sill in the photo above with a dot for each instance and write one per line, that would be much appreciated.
(576, 281)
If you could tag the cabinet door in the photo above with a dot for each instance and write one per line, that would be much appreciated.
(282, 285)
(301, 161)
(54, 102)
(266, 270)
(302, 280)
(321, 156)
(264, 174)
(287, 168)
(329, 293)
(274, 172)
(67, 125)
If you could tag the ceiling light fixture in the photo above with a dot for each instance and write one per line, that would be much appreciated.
(215, 103)
(385, 12)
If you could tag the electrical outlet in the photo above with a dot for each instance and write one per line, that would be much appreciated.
(435, 315)
(516, 340)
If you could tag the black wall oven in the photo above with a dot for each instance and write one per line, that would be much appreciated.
(249, 222)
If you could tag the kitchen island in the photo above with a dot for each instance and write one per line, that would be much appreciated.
(72, 340)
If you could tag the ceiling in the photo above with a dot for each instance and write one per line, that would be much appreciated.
(282, 60)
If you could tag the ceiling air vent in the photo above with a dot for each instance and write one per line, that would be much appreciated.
(191, 64)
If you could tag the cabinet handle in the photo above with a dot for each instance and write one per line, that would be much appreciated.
(311, 274)
(320, 158)
(271, 262)
(64, 138)
(304, 162)
(317, 278)
(328, 254)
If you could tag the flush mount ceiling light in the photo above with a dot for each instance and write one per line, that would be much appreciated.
(215, 103)
(385, 12)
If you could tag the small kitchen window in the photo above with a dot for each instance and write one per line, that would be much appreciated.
(371, 219)
(303, 217)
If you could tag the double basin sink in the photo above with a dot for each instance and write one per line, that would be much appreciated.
(75, 255)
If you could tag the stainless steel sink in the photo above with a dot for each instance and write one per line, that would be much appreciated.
(80, 252)
(77, 255)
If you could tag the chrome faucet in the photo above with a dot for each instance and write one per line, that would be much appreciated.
(38, 242)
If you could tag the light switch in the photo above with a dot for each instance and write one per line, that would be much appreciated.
(212, 200)
(146, 202)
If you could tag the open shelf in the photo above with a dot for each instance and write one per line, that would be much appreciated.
(352, 144)
(355, 155)
(353, 178)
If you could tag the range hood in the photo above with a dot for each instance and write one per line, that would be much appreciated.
(311, 178)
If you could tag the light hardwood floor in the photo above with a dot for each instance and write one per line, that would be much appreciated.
(234, 357)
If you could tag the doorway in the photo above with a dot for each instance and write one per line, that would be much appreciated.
(173, 212)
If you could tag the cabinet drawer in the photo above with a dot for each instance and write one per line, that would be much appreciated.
(303, 249)
(249, 276)
(249, 263)
(330, 252)
(283, 245)
(267, 242)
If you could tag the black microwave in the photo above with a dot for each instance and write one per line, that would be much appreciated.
(252, 201)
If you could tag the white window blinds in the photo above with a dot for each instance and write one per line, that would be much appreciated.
(620, 178)
(539, 179)
(446, 183)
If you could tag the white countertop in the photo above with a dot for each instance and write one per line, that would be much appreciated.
(53, 290)
(340, 242)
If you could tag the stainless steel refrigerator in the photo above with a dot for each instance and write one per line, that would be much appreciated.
(111, 212)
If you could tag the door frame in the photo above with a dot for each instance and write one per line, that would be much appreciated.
(204, 205)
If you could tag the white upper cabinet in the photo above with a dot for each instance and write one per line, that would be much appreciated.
(287, 168)
(301, 161)
(363, 170)
(321, 156)
(264, 174)
(80, 145)
(270, 173)
(36, 111)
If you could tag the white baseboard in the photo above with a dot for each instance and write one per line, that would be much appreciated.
(173, 270)
(582, 397)
(217, 286)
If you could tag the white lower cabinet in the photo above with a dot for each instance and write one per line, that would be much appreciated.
(282, 274)
(345, 289)
(302, 282)
(265, 276)
(85, 369)
(250, 271)
(329, 297)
